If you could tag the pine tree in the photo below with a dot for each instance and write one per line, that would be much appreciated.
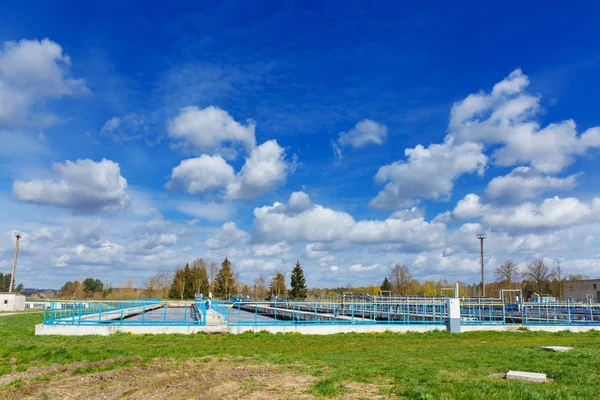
(178, 286)
(386, 285)
(200, 277)
(225, 281)
(188, 291)
(299, 289)
(277, 288)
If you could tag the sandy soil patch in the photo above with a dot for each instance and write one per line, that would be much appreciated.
(193, 378)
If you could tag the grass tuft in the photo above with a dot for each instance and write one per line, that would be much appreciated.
(328, 387)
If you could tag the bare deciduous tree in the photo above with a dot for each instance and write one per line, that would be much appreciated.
(260, 289)
(507, 272)
(538, 273)
(400, 276)
(577, 277)
(558, 277)
(163, 282)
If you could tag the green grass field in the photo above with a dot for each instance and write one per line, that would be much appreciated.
(434, 365)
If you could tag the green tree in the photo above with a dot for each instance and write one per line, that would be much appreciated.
(92, 286)
(178, 285)
(5, 283)
(277, 288)
(188, 291)
(299, 289)
(386, 285)
(199, 277)
(73, 290)
(225, 281)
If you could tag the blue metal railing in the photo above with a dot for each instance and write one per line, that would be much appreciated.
(323, 313)
(409, 311)
(124, 312)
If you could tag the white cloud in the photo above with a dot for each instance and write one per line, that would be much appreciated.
(270, 250)
(337, 150)
(551, 213)
(199, 174)
(126, 128)
(468, 208)
(85, 187)
(322, 224)
(263, 170)
(503, 120)
(364, 268)
(524, 183)
(428, 173)
(408, 214)
(32, 71)
(110, 125)
(228, 235)
(210, 130)
(316, 223)
(507, 116)
(364, 133)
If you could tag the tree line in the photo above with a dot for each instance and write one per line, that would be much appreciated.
(537, 277)
(202, 277)
(5, 284)
(224, 283)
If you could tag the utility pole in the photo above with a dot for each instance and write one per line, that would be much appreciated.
(559, 276)
(482, 236)
(12, 276)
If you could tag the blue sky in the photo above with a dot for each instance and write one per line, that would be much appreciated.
(351, 135)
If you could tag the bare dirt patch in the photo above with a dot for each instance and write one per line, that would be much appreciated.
(193, 378)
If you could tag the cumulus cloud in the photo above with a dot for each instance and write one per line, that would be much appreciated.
(84, 187)
(428, 173)
(196, 175)
(504, 120)
(408, 214)
(321, 224)
(468, 208)
(227, 235)
(364, 133)
(211, 130)
(32, 71)
(524, 183)
(551, 213)
(270, 250)
(317, 223)
(507, 116)
(264, 169)
(364, 268)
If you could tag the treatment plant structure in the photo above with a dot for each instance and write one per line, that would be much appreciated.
(346, 314)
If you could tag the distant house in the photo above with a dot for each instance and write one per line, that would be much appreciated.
(583, 290)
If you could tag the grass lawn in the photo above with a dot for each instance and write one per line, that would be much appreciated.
(433, 365)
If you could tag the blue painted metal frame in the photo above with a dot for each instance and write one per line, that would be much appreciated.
(408, 312)
(110, 312)
(324, 313)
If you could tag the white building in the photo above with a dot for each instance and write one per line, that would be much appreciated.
(12, 302)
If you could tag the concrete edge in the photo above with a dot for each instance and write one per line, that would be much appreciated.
(82, 330)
